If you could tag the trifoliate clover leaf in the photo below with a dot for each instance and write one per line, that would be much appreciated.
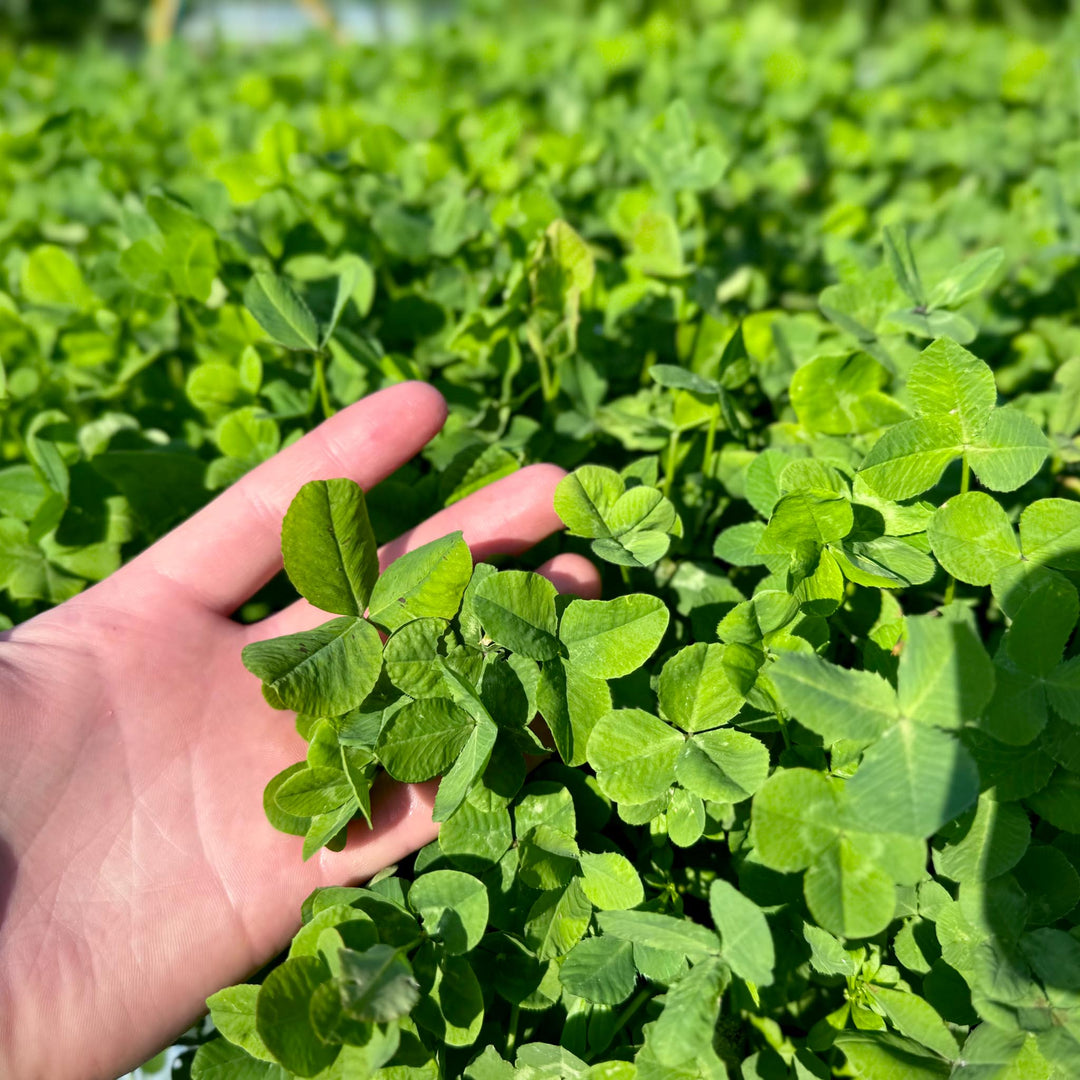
(955, 394)
(628, 526)
(722, 766)
(843, 394)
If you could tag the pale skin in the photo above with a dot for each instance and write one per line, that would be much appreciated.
(138, 873)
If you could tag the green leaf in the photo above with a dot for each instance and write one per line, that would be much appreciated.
(917, 1019)
(423, 739)
(948, 380)
(842, 395)
(283, 1019)
(848, 893)
(875, 1055)
(657, 245)
(687, 1024)
(220, 1060)
(517, 610)
(233, 1013)
(328, 546)
(611, 638)
(912, 781)
(695, 691)
(452, 1007)
(1050, 534)
(353, 275)
(453, 907)
(466, 770)
(600, 970)
(610, 881)
(377, 985)
(665, 932)
(323, 672)
(281, 312)
(945, 677)
(815, 516)
(557, 920)
(972, 538)
(910, 457)
(411, 656)
(314, 791)
(835, 702)
(474, 839)
(584, 499)
(571, 703)
(722, 766)
(746, 943)
(428, 581)
(1010, 450)
(966, 279)
(793, 819)
(634, 755)
(52, 278)
(901, 262)
(986, 841)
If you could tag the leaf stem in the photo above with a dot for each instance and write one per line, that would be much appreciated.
(965, 483)
(635, 1003)
(710, 446)
(782, 721)
(547, 388)
(320, 386)
(511, 1029)
(669, 472)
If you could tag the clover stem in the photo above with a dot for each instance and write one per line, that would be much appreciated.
(710, 446)
(320, 385)
(511, 1029)
(625, 571)
(546, 387)
(636, 1002)
(965, 483)
(669, 472)
(780, 719)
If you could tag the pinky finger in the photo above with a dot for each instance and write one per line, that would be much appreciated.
(573, 574)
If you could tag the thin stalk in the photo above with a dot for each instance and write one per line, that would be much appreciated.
(639, 999)
(710, 446)
(511, 1030)
(965, 483)
(625, 571)
(783, 729)
(624, 1017)
(320, 386)
(669, 472)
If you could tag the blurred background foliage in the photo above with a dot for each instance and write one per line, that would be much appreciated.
(125, 21)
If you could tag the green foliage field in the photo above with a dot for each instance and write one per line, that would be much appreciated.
(796, 303)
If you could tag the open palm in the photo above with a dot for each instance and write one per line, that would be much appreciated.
(137, 871)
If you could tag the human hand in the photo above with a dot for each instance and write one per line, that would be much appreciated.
(138, 873)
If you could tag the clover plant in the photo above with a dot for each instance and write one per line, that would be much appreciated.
(792, 300)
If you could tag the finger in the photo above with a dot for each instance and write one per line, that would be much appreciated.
(401, 813)
(233, 546)
(572, 574)
(504, 518)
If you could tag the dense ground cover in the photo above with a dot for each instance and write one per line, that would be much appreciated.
(799, 300)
